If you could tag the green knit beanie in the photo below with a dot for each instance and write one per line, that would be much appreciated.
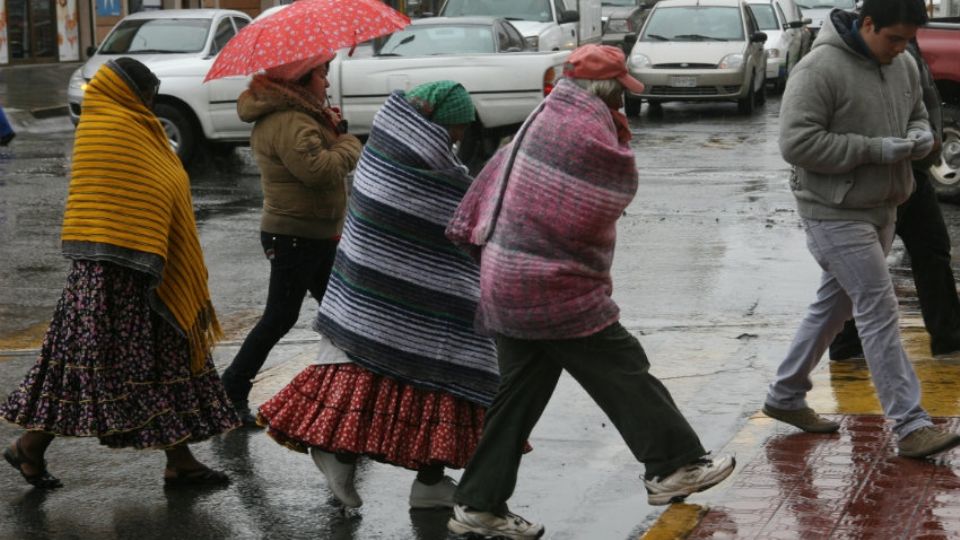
(443, 102)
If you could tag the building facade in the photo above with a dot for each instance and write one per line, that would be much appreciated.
(39, 31)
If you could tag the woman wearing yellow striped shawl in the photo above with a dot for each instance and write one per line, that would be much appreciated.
(127, 355)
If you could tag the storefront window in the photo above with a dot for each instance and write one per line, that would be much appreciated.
(32, 30)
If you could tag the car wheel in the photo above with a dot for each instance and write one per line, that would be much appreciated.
(180, 131)
(473, 149)
(944, 177)
(781, 83)
(654, 109)
(631, 105)
(747, 104)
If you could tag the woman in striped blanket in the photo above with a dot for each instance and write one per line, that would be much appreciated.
(414, 378)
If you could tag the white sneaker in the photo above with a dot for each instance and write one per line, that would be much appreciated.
(339, 477)
(697, 476)
(439, 495)
(488, 525)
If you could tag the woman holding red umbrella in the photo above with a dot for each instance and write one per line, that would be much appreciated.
(304, 156)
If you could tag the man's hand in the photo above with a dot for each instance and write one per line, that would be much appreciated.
(922, 143)
(895, 149)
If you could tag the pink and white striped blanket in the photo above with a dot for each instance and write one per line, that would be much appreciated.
(541, 218)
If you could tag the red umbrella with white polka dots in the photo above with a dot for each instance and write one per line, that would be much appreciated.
(305, 29)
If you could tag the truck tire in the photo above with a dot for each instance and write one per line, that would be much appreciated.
(946, 179)
(471, 150)
(180, 130)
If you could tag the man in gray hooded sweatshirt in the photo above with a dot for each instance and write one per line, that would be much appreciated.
(852, 118)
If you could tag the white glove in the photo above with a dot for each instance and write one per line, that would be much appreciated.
(895, 149)
(922, 143)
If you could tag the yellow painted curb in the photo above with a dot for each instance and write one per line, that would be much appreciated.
(676, 522)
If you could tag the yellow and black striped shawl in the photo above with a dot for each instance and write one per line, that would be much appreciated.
(130, 203)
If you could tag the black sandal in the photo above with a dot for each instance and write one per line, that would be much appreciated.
(202, 477)
(42, 480)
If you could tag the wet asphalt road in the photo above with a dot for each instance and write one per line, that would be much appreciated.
(711, 273)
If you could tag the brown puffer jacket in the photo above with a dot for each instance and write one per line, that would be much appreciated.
(303, 161)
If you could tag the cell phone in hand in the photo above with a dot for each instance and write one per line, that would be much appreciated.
(342, 127)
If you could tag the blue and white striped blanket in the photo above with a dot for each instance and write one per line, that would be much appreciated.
(402, 299)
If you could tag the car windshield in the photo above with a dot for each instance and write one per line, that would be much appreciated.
(827, 4)
(766, 18)
(146, 36)
(512, 10)
(694, 23)
(439, 39)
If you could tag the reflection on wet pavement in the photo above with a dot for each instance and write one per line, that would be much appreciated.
(850, 485)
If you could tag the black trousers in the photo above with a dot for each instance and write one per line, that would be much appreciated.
(921, 227)
(297, 265)
(612, 367)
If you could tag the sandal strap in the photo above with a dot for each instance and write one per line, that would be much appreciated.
(22, 456)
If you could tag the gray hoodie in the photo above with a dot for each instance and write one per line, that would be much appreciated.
(838, 106)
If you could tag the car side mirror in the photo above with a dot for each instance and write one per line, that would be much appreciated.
(569, 16)
(794, 24)
(758, 37)
(91, 50)
(807, 20)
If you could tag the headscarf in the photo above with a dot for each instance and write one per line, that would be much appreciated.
(443, 102)
(129, 203)
(295, 70)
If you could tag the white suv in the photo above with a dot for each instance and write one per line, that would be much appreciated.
(179, 46)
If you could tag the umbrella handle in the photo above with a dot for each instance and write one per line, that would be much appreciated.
(354, 46)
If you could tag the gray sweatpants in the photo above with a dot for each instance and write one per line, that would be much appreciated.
(855, 281)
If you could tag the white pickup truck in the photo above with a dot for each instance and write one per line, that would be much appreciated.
(546, 25)
(487, 55)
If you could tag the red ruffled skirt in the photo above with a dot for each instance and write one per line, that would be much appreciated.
(346, 408)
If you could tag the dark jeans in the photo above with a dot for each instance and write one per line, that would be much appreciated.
(612, 367)
(921, 227)
(5, 128)
(297, 265)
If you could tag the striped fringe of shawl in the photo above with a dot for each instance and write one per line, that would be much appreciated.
(128, 190)
(402, 299)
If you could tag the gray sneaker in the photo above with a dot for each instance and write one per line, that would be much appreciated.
(340, 477)
(926, 441)
(806, 419)
(698, 476)
(439, 495)
(489, 525)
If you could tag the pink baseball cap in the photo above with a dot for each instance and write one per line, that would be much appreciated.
(600, 62)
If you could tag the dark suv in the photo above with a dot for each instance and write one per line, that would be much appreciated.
(622, 20)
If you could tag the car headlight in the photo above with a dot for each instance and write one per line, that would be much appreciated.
(639, 61)
(773, 53)
(619, 26)
(76, 81)
(731, 61)
(533, 42)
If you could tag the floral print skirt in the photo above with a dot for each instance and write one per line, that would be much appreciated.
(346, 408)
(111, 368)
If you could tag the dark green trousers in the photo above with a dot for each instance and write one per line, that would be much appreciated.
(612, 367)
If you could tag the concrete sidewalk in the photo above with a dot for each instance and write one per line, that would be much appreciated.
(34, 92)
(852, 484)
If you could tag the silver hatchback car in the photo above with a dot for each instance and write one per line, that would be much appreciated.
(693, 50)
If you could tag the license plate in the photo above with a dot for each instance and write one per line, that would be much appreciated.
(683, 82)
